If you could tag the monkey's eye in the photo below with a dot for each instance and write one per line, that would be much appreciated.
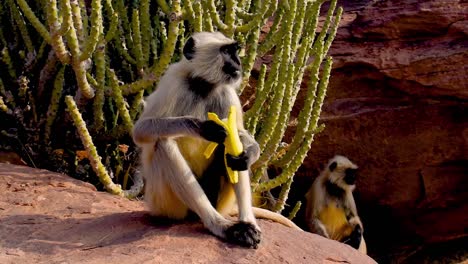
(231, 48)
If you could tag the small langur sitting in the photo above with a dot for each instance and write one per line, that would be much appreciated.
(173, 132)
(331, 211)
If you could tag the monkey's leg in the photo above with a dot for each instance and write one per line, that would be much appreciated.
(246, 231)
(185, 185)
(159, 198)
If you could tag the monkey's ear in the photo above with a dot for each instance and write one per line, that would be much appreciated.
(189, 49)
(332, 166)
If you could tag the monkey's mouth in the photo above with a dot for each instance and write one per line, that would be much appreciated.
(350, 176)
(232, 71)
(232, 77)
(350, 180)
(235, 74)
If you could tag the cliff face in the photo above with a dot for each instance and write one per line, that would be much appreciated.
(419, 45)
(397, 106)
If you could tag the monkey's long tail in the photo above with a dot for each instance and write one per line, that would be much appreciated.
(266, 214)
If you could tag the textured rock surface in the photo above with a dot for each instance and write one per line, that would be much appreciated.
(47, 217)
(420, 44)
(397, 106)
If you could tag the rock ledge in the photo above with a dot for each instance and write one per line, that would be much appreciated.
(52, 218)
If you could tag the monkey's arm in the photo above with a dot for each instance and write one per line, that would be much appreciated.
(148, 130)
(315, 203)
(316, 226)
(247, 228)
(354, 239)
(251, 148)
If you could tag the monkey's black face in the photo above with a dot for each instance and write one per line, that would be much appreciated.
(232, 65)
(350, 176)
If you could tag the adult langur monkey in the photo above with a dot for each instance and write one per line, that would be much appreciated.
(173, 133)
(331, 211)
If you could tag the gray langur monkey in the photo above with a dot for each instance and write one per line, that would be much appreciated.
(331, 211)
(173, 132)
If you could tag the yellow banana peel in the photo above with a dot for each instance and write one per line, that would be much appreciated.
(232, 143)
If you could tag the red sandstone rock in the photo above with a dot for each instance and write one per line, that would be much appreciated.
(422, 44)
(397, 106)
(47, 217)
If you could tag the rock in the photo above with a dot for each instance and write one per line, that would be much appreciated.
(421, 46)
(47, 217)
(397, 105)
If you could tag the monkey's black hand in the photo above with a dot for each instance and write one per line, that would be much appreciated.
(211, 131)
(244, 234)
(239, 163)
(354, 238)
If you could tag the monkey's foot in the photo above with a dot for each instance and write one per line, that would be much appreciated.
(244, 234)
(355, 237)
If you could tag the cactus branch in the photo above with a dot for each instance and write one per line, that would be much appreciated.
(96, 30)
(120, 101)
(90, 148)
(56, 37)
(29, 14)
(211, 7)
(77, 64)
(98, 104)
(117, 51)
(54, 103)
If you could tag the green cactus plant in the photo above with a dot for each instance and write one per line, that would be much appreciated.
(116, 51)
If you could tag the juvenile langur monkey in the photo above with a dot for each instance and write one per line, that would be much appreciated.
(331, 211)
(173, 132)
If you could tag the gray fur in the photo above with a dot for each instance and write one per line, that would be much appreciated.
(318, 198)
(174, 113)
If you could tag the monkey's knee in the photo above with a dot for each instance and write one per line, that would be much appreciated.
(166, 204)
(244, 234)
